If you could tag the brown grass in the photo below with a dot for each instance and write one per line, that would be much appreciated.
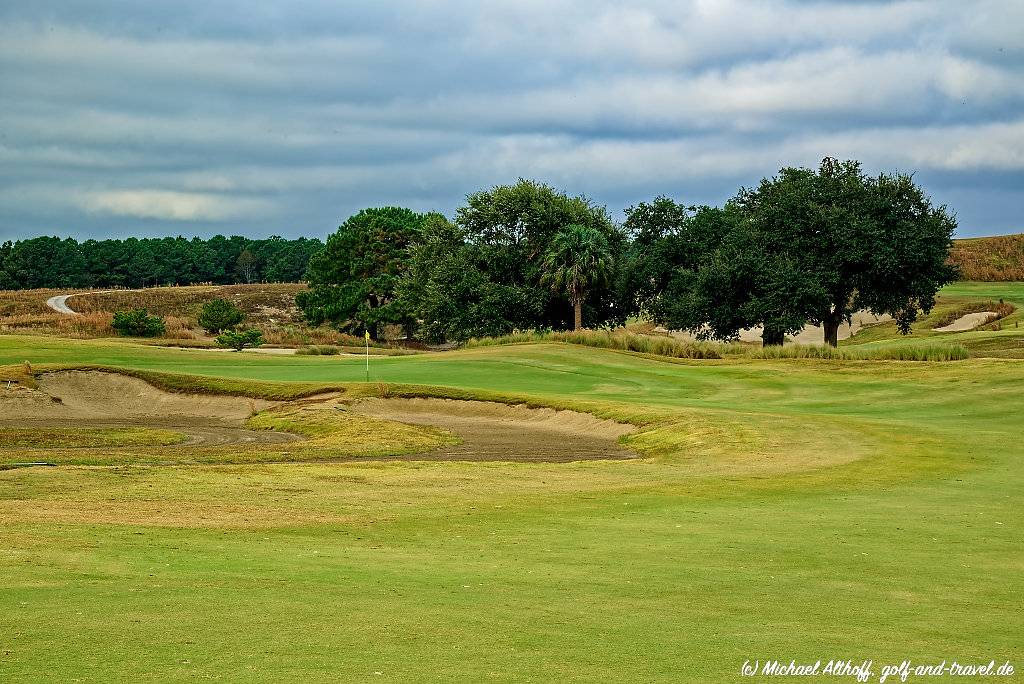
(272, 304)
(268, 307)
(27, 302)
(999, 258)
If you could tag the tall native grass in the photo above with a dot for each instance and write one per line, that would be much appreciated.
(903, 352)
(681, 349)
(618, 339)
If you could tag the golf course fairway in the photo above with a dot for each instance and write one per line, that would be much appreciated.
(789, 510)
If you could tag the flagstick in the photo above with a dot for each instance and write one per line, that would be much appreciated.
(367, 356)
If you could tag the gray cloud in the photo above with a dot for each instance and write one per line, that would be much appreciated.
(284, 118)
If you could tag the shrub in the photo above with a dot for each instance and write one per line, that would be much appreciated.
(219, 315)
(137, 323)
(240, 339)
(319, 350)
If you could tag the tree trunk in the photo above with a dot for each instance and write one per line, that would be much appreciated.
(771, 338)
(831, 325)
(577, 308)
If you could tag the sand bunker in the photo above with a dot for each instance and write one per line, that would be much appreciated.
(497, 432)
(95, 399)
(969, 321)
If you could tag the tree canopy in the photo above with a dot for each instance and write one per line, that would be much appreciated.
(577, 260)
(802, 247)
(218, 315)
(353, 280)
(65, 263)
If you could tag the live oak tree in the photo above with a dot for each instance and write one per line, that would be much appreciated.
(577, 260)
(834, 241)
(803, 247)
(353, 280)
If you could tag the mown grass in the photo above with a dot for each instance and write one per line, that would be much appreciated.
(790, 509)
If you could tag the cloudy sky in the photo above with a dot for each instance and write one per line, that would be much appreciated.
(259, 118)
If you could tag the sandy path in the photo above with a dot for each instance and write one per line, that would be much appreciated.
(968, 321)
(60, 304)
(497, 432)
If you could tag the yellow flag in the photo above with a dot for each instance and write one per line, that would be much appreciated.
(367, 333)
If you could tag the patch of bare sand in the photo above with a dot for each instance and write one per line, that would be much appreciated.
(969, 321)
(811, 334)
(97, 399)
(498, 432)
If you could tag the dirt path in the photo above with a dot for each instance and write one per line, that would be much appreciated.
(497, 432)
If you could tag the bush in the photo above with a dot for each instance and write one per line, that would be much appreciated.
(319, 350)
(219, 315)
(138, 323)
(240, 339)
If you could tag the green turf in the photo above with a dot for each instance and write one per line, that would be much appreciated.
(903, 540)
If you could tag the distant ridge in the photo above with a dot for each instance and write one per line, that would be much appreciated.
(996, 258)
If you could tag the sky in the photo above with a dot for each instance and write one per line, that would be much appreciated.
(283, 118)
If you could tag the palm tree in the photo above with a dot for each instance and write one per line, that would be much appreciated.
(577, 259)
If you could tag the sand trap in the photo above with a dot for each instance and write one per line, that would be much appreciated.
(96, 399)
(498, 432)
(969, 321)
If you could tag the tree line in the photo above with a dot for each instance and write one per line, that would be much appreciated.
(803, 246)
(53, 262)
